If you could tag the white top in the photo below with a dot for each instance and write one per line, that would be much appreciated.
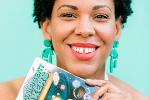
(106, 77)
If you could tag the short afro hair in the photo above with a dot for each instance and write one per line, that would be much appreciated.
(43, 9)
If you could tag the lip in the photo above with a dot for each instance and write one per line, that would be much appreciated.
(88, 45)
(84, 56)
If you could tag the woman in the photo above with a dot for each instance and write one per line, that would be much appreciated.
(83, 34)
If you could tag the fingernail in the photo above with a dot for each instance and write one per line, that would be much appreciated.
(88, 80)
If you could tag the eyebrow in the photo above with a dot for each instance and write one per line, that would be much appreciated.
(94, 8)
(69, 6)
(101, 6)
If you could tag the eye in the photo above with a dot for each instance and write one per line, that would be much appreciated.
(68, 16)
(101, 17)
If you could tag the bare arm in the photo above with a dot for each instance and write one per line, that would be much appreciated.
(9, 90)
(137, 95)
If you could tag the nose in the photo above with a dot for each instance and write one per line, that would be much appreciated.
(84, 27)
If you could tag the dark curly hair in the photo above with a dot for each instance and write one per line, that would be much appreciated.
(43, 10)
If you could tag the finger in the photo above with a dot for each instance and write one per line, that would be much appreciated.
(111, 87)
(112, 96)
(95, 82)
(100, 92)
(117, 96)
(106, 88)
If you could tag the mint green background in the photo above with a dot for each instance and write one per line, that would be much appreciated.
(21, 41)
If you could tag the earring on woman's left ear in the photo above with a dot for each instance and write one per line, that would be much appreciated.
(114, 56)
(48, 52)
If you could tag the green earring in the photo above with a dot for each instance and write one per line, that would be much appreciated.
(114, 56)
(48, 51)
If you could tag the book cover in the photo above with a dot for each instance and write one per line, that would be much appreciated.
(45, 81)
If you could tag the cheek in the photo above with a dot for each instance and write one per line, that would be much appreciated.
(106, 33)
(61, 30)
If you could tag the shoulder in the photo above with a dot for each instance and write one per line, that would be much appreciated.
(137, 95)
(10, 89)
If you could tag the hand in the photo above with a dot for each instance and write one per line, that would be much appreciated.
(108, 91)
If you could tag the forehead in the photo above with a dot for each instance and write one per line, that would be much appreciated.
(85, 4)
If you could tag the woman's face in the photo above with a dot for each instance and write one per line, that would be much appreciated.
(82, 32)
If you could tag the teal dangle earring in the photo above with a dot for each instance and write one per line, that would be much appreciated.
(114, 56)
(48, 51)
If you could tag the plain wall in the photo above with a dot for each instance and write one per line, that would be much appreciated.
(21, 41)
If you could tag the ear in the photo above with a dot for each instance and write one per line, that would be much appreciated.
(46, 29)
(118, 28)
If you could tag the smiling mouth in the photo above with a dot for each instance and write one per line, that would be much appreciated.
(83, 51)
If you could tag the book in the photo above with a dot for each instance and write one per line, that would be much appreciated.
(45, 81)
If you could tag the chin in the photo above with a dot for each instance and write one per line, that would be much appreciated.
(83, 72)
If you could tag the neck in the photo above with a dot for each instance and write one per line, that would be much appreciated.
(100, 74)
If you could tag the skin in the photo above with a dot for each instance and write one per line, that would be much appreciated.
(94, 22)
(84, 27)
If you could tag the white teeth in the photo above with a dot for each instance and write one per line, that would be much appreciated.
(86, 50)
(83, 50)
